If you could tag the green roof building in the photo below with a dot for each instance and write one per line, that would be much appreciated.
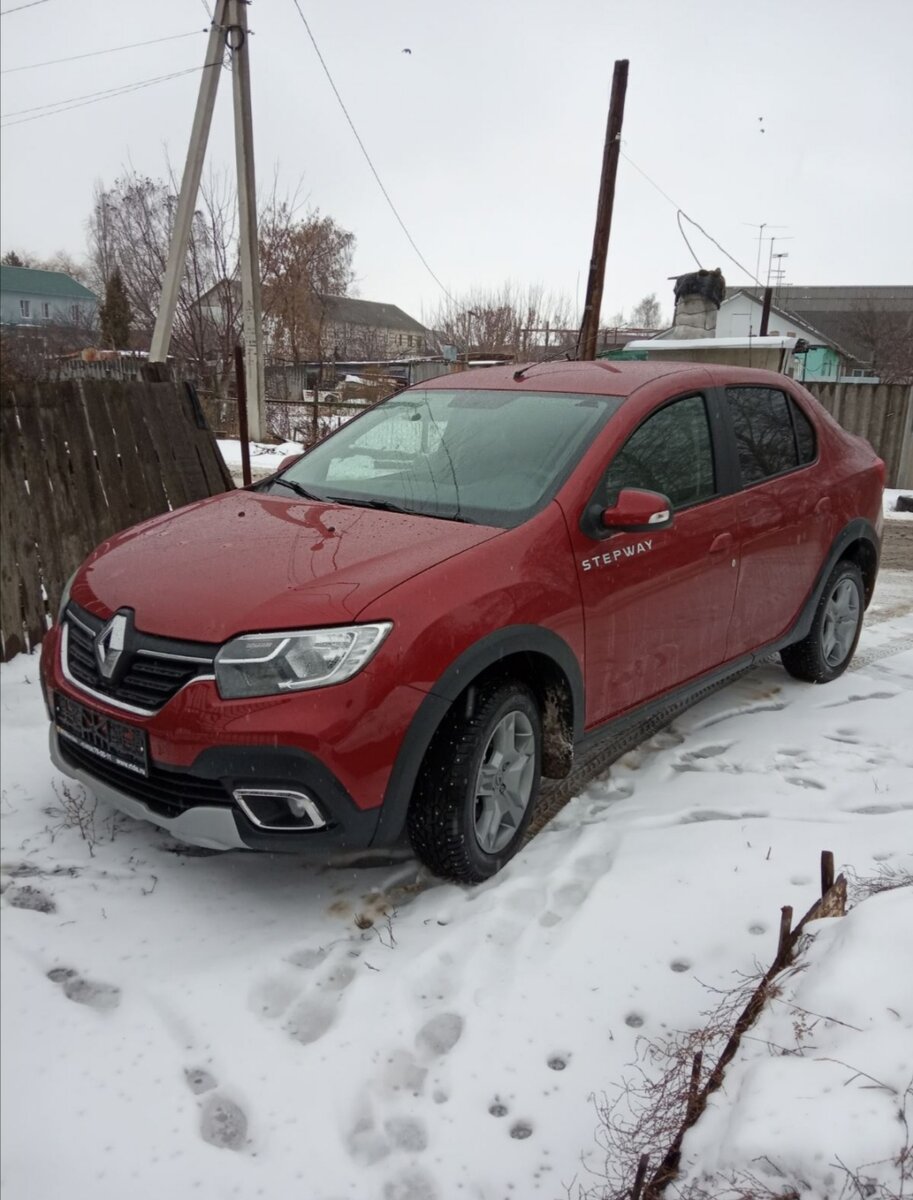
(30, 297)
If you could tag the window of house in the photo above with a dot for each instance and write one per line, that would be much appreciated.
(409, 341)
(46, 311)
(671, 453)
(25, 308)
(74, 312)
(764, 434)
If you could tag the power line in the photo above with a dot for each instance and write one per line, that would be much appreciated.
(51, 62)
(681, 214)
(95, 97)
(367, 156)
(19, 7)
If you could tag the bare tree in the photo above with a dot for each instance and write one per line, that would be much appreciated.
(882, 340)
(647, 314)
(522, 322)
(301, 259)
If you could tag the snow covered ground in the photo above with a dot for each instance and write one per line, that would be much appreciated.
(264, 459)
(889, 504)
(239, 1025)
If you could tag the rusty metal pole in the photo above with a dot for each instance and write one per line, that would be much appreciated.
(590, 328)
(241, 388)
(765, 311)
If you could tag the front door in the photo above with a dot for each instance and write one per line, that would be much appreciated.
(657, 605)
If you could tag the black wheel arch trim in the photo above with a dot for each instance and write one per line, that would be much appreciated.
(487, 652)
(857, 530)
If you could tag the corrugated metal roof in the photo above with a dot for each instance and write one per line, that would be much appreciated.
(372, 313)
(30, 281)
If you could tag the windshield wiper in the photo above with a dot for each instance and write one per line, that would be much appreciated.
(391, 506)
(296, 488)
(373, 502)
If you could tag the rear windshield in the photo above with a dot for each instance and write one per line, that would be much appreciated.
(489, 457)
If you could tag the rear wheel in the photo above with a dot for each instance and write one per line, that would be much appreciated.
(828, 649)
(478, 784)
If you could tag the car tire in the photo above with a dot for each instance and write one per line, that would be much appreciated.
(479, 783)
(830, 644)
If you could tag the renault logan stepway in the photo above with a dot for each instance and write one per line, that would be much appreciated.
(396, 636)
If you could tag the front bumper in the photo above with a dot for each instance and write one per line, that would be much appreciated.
(222, 825)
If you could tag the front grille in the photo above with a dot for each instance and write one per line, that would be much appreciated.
(155, 668)
(168, 793)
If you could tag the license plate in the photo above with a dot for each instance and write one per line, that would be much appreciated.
(114, 741)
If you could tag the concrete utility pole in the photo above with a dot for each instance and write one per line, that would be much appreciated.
(252, 326)
(229, 28)
(590, 328)
(190, 186)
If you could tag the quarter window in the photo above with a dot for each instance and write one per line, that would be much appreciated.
(805, 434)
(671, 453)
(763, 432)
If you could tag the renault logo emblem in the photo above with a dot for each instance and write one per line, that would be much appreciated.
(109, 645)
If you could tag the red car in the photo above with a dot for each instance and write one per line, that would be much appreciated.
(398, 634)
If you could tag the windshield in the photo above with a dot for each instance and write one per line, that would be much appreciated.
(490, 457)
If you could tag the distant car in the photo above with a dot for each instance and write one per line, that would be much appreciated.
(398, 634)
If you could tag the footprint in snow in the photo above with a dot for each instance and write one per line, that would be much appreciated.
(558, 1062)
(634, 1020)
(406, 1133)
(498, 1109)
(411, 1185)
(310, 1020)
(438, 1036)
(223, 1123)
(30, 898)
(271, 997)
(679, 965)
(101, 996)
(521, 1130)
(308, 958)
(199, 1080)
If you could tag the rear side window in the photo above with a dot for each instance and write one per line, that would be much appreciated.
(764, 434)
(670, 453)
(805, 434)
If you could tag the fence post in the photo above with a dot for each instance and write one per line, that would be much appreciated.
(241, 387)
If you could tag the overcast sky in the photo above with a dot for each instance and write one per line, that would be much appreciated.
(488, 136)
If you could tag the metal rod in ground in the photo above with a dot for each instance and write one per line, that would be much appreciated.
(593, 304)
(640, 1176)
(827, 871)
(786, 925)
(241, 387)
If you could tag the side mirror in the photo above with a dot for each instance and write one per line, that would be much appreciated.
(288, 461)
(638, 511)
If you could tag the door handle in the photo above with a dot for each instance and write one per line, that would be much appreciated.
(722, 541)
(823, 506)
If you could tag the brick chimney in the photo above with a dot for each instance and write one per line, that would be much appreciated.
(698, 297)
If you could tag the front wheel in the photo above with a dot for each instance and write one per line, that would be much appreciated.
(828, 648)
(478, 784)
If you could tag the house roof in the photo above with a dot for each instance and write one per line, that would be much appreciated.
(794, 318)
(834, 309)
(348, 311)
(34, 282)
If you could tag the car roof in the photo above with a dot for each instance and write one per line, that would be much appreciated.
(597, 377)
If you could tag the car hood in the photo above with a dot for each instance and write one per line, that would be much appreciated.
(245, 561)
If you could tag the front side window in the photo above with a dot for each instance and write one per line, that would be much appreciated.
(489, 457)
(764, 435)
(671, 453)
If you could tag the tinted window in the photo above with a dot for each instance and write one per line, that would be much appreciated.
(805, 434)
(494, 457)
(670, 453)
(763, 432)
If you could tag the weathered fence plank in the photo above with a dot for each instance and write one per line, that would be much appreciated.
(80, 461)
(882, 414)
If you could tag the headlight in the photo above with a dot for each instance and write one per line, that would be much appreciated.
(264, 664)
(65, 596)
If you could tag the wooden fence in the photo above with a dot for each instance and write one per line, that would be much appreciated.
(882, 414)
(78, 463)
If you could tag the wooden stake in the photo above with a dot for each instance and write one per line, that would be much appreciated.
(640, 1176)
(827, 871)
(786, 922)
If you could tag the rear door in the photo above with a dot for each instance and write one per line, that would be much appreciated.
(657, 605)
(786, 524)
